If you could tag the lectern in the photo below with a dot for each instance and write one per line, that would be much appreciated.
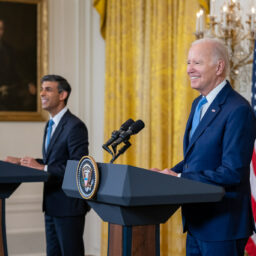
(11, 176)
(134, 201)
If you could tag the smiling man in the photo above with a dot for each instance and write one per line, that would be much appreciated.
(65, 138)
(218, 145)
(207, 65)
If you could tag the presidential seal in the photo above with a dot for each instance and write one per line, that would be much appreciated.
(87, 177)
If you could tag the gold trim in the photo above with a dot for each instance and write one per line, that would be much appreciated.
(96, 177)
(42, 63)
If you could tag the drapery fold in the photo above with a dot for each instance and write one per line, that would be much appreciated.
(146, 51)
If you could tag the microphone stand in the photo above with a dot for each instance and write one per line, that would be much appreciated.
(126, 142)
(121, 151)
(114, 148)
(108, 150)
(114, 136)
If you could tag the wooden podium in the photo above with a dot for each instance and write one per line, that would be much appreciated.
(11, 176)
(134, 201)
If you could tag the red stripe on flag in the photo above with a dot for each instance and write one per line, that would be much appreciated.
(251, 247)
(254, 207)
(251, 244)
(254, 162)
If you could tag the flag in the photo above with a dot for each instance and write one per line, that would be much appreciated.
(251, 244)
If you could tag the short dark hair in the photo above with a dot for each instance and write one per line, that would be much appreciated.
(63, 84)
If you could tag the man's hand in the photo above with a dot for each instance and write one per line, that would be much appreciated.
(12, 159)
(165, 171)
(169, 172)
(31, 162)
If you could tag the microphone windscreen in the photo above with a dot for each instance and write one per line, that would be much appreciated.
(126, 124)
(137, 126)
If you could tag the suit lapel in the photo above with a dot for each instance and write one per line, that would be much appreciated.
(211, 113)
(209, 116)
(43, 148)
(188, 126)
(56, 134)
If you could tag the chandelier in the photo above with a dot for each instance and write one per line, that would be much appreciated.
(237, 34)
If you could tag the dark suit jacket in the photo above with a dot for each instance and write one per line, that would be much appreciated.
(69, 142)
(219, 153)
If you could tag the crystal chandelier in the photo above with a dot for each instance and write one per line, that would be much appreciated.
(238, 38)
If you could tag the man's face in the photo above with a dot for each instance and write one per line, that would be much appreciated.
(1, 29)
(51, 99)
(201, 68)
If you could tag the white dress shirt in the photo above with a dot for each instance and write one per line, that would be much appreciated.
(211, 96)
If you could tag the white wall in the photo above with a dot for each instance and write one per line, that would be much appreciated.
(76, 51)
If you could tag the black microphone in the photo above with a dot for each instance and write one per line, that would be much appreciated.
(115, 134)
(125, 135)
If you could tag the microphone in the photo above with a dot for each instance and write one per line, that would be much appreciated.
(115, 134)
(125, 135)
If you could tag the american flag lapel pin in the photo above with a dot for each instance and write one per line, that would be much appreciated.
(213, 110)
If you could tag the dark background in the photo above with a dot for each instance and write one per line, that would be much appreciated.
(20, 34)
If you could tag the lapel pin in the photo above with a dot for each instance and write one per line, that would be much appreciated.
(213, 110)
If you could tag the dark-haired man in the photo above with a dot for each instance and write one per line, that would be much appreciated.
(65, 138)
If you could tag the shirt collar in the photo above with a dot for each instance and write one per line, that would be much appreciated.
(58, 117)
(212, 95)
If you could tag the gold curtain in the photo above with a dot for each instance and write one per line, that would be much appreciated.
(146, 50)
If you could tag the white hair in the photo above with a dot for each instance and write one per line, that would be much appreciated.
(219, 51)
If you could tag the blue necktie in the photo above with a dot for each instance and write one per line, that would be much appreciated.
(197, 115)
(49, 132)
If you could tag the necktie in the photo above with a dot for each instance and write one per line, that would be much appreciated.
(197, 115)
(49, 132)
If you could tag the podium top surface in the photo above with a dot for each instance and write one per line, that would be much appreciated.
(12, 173)
(129, 185)
(132, 186)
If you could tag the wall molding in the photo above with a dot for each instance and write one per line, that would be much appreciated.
(24, 203)
(30, 230)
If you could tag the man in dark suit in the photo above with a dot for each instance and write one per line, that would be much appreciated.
(65, 138)
(218, 145)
